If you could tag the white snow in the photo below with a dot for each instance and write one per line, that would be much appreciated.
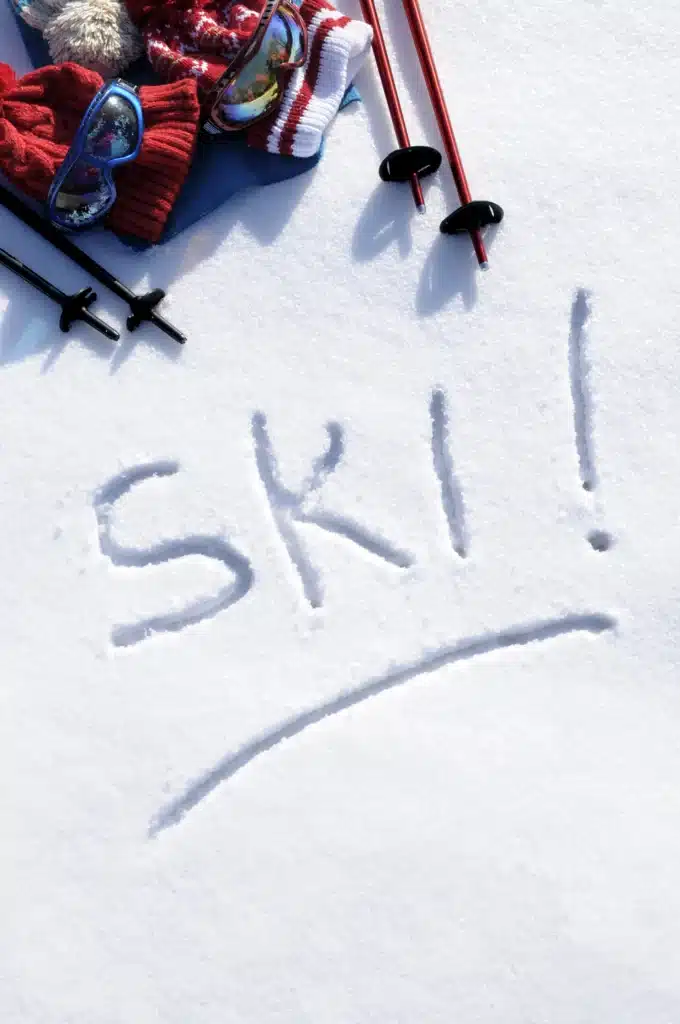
(451, 791)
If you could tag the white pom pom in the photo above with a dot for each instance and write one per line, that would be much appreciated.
(97, 34)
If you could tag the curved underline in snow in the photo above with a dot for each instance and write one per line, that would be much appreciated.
(473, 647)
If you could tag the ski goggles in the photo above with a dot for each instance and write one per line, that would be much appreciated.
(254, 84)
(110, 134)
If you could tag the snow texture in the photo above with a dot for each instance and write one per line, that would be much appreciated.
(340, 667)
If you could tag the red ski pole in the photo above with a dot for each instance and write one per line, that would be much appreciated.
(471, 215)
(410, 163)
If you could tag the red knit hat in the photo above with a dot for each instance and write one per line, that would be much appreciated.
(194, 38)
(200, 39)
(148, 187)
(41, 112)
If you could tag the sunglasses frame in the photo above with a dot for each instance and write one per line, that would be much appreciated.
(76, 153)
(215, 124)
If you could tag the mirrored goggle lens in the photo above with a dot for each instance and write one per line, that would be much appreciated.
(83, 196)
(115, 131)
(256, 88)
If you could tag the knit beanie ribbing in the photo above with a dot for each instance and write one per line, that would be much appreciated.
(149, 186)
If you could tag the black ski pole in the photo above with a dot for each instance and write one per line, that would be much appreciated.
(73, 307)
(142, 307)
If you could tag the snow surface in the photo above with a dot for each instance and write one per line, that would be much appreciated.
(339, 649)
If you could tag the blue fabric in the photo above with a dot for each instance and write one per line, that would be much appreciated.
(222, 165)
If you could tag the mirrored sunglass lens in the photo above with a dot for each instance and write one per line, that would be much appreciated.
(83, 196)
(115, 130)
(257, 86)
(297, 41)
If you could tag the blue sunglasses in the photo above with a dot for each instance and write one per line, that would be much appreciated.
(110, 134)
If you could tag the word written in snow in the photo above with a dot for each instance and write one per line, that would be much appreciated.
(291, 512)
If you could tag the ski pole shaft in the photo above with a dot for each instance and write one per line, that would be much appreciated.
(390, 89)
(74, 307)
(97, 324)
(434, 87)
(39, 282)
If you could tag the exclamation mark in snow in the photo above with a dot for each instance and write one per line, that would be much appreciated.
(582, 404)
